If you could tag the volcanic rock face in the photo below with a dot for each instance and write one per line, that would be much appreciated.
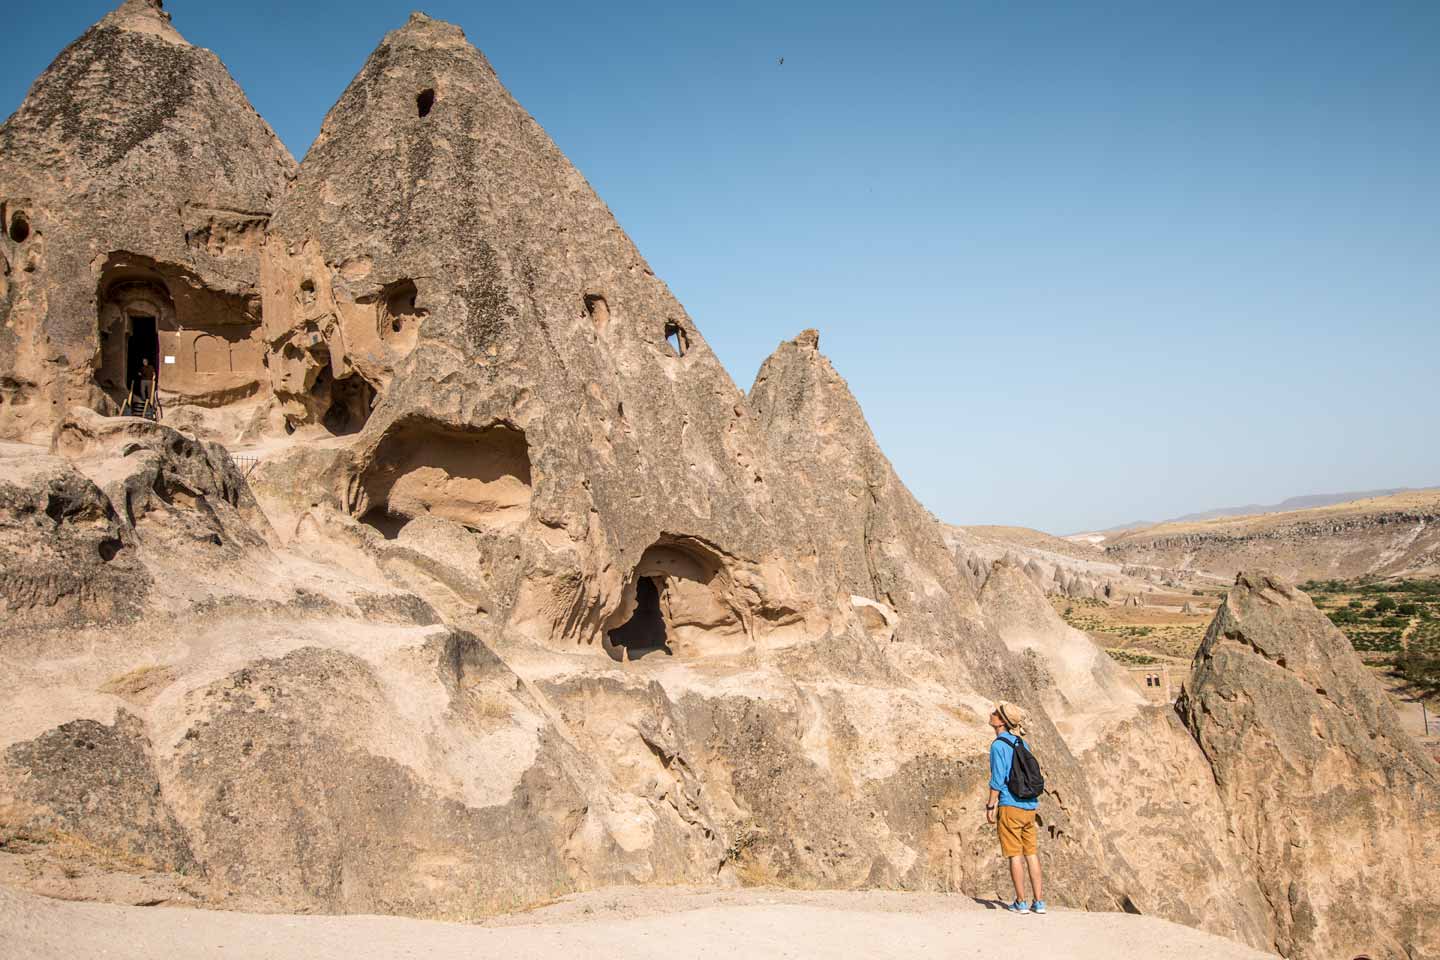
(1335, 802)
(533, 605)
(439, 252)
(1083, 689)
(526, 596)
(135, 183)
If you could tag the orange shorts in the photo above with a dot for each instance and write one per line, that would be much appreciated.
(1017, 831)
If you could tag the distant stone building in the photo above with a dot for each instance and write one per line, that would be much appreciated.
(1154, 681)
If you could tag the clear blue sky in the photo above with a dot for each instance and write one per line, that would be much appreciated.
(1082, 263)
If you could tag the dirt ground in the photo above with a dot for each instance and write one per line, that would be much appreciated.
(630, 923)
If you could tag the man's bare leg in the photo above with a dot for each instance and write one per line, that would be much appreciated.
(1017, 876)
(1033, 863)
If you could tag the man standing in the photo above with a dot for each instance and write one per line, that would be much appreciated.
(1015, 817)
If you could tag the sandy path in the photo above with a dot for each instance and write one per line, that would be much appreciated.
(755, 925)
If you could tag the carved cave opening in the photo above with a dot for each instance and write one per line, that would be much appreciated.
(676, 338)
(351, 401)
(142, 345)
(680, 603)
(205, 344)
(424, 101)
(644, 633)
(478, 477)
(135, 308)
(398, 315)
(19, 227)
(598, 310)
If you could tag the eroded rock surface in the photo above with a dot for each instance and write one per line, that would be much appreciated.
(1333, 800)
(526, 596)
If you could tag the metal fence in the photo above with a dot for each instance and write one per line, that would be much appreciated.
(244, 464)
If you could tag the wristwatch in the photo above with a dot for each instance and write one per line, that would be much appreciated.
(991, 806)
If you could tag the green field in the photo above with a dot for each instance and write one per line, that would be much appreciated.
(1394, 621)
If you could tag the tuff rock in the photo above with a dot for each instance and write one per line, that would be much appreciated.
(135, 181)
(524, 596)
(1317, 777)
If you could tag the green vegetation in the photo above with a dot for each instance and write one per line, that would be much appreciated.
(1394, 622)
(1132, 659)
(1143, 631)
(1096, 625)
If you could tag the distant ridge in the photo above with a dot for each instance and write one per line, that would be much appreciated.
(1296, 503)
(1390, 536)
(1306, 502)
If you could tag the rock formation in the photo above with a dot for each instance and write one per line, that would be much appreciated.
(1082, 688)
(536, 602)
(1334, 800)
(1058, 567)
(526, 596)
(135, 185)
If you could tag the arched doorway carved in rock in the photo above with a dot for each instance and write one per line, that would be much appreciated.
(134, 310)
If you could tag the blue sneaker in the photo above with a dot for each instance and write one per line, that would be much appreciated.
(1038, 907)
(1019, 906)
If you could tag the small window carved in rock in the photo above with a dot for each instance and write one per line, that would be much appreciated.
(401, 304)
(400, 312)
(598, 310)
(307, 292)
(675, 336)
(424, 100)
(19, 227)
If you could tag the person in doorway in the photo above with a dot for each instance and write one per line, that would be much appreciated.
(146, 390)
(1013, 816)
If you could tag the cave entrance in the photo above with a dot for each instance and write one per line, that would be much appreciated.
(136, 324)
(644, 633)
(351, 400)
(142, 358)
(681, 602)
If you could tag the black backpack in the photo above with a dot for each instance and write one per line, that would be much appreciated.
(1025, 781)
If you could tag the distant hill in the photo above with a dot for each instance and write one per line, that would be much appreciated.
(1308, 502)
(1294, 503)
(1393, 535)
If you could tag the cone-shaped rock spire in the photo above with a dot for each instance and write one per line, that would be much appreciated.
(134, 143)
(440, 254)
(499, 418)
(131, 102)
(1291, 719)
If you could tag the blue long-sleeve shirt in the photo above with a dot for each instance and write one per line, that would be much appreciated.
(1002, 753)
